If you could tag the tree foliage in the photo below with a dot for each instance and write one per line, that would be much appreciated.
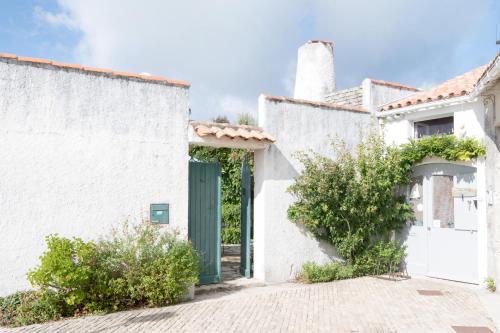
(351, 199)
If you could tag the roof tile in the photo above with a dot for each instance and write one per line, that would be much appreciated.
(234, 132)
(457, 86)
(159, 79)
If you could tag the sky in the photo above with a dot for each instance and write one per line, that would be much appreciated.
(232, 51)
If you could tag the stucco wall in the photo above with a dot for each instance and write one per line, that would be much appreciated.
(469, 120)
(81, 153)
(376, 95)
(491, 101)
(281, 247)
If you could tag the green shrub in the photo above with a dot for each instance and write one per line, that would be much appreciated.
(231, 231)
(314, 273)
(380, 258)
(490, 284)
(137, 266)
(146, 267)
(68, 266)
(31, 307)
(351, 199)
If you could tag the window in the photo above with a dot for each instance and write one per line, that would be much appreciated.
(442, 202)
(440, 126)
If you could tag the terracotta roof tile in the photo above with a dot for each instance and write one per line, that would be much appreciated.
(234, 132)
(393, 85)
(457, 86)
(110, 72)
(344, 107)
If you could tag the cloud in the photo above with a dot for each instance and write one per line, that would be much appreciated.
(231, 51)
(56, 20)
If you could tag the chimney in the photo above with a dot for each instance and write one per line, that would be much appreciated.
(315, 77)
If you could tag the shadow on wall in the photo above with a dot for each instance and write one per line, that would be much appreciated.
(282, 169)
(328, 249)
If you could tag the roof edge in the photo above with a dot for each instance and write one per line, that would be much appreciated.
(394, 85)
(480, 85)
(332, 106)
(94, 70)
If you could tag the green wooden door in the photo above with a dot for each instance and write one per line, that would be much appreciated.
(204, 217)
(246, 220)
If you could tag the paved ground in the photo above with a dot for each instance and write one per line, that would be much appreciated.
(360, 305)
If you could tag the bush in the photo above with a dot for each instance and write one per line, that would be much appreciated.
(68, 266)
(351, 199)
(231, 231)
(380, 258)
(314, 273)
(31, 307)
(137, 266)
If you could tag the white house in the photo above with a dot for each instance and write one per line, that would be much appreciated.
(85, 149)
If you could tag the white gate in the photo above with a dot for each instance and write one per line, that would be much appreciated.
(442, 242)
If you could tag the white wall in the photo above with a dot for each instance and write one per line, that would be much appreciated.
(469, 120)
(280, 246)
(376, 95)
(491, 100)
(81, 153)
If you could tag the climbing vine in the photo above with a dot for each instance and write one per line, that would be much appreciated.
(352, 200)
(448, 147)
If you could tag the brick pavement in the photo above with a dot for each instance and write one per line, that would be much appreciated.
(360, 305)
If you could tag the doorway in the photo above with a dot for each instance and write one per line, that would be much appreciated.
(442, 241)
(206, 219)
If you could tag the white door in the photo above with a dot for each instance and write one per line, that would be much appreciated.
(444, 243)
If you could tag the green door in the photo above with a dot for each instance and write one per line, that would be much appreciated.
(246, 220)
(204, 217)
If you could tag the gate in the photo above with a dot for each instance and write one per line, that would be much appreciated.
(246, 220)
(204, 217)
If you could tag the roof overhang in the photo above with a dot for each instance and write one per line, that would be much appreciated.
(489, 78)
(223, 135)
(425, 106)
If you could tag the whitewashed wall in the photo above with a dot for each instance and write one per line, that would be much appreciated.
(492, 109)
(81, 153)
(281, 247)
(376, 95)
(469, 120)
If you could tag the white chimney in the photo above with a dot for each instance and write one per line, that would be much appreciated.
(315, 77)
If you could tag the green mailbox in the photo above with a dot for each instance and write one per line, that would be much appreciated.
(159, 213)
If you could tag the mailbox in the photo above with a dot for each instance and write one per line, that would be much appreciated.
(159, 213)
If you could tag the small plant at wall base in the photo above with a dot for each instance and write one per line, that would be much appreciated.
(490, 284)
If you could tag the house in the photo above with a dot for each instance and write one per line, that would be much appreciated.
(85, 149)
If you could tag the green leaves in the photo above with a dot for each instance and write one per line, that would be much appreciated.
(350, 199)
(138, 265)
(448, 147)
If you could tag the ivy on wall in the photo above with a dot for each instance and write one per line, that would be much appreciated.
(448, 147)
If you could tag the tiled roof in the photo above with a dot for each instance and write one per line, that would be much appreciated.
(458, 86)
(490, 75)
(225, 130)
(351, 96)
(332, 106)
(393, 85)
(93, 70)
